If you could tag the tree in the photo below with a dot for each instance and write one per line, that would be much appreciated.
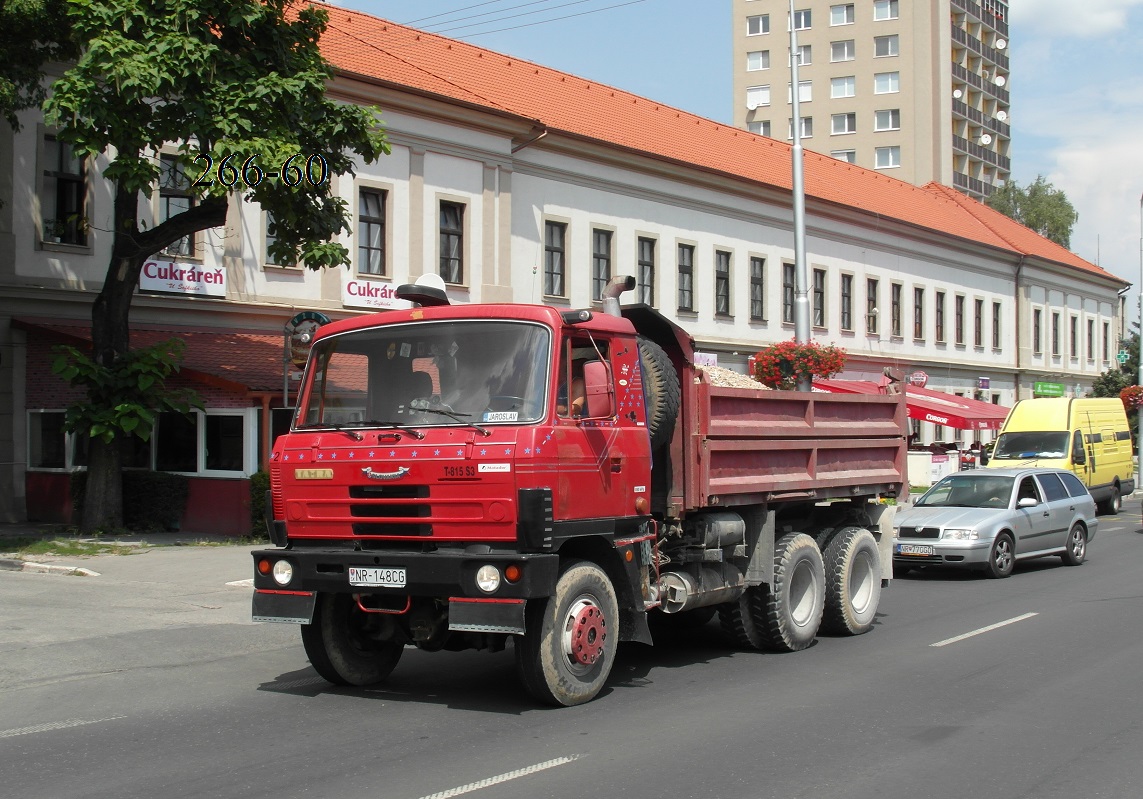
(1041, 207)
(236, 83)
(32, 33)
(1116, 380)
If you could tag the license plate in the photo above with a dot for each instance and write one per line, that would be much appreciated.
(914, 549)
(384, 577)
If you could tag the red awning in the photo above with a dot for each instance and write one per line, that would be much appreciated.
(927, 405)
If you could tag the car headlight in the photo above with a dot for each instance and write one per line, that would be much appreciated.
(283, 572)
(488, 579)
(961, 535)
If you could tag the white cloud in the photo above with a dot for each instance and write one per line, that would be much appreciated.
(1069, 18)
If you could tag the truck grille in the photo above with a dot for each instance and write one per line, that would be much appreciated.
(378, 504)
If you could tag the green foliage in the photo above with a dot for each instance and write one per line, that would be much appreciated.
(224, 78)
(32, 33)
(151, 500)
(124, 397)
(1040, 206)
(259, 485)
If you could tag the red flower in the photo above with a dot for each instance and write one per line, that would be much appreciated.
(1131, 397)
(781, 365)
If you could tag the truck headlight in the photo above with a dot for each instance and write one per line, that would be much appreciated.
(488, 579)
(961, 535)
(283, 572)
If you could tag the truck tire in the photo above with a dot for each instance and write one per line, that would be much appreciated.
(340, 647)
(661, 390)
(569, 646)
(786, 616)
(1113, 503)
(853, 582)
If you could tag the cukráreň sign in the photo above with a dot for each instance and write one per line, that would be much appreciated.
(373, 294)
(174, 278)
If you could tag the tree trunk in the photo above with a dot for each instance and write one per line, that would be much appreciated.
(103, 495)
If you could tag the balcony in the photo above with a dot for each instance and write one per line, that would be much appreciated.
(994, 125)
(972, 79)
(991, 12)
(981, 153)
(963, 38)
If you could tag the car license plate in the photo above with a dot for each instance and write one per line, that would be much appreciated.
(384, 577)
(914, 549)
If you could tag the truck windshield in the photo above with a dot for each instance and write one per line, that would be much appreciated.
(424, 374)
(1044, 444)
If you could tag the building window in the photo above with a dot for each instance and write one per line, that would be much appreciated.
(787, 292)
(939, 316)
(885, 46)
(843, 87)
(805, 55)
(819, 297)
(806, 128)
(758, 59)
(452, 242)
(176, 442)
(1106, 342)
(721, 283)
(1056, 335)
(802, 19)
(1037, 332)
(843, 123)
(64, 193)
(886, 157)
(978, 323)
(47, 441)
(371, 232)
(885, 9)
(887, 82)
(555, 236)
(645, 272)
(918, 313)
(271, 237)
(756, 96)
(871, 305)
(175, 197)
(686, 277)
(762, 128)
(600, 262)
(889, 119)
(757, 288)
(849, 156)
(842, 51)
(1073, 337)
(757, 25)
(895, 310)
(847, 302)
(841, 15)
(958, 320)
(805, 92)
(995, 325)
(1091, 339)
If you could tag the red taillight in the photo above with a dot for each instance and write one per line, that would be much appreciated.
(513, 573)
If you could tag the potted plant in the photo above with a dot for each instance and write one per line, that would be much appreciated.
(781, 365)
(54, 230)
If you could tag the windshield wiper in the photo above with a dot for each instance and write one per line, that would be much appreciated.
(458, 417)
(339, 428)
(414, 432)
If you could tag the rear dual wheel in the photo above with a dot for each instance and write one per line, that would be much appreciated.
(853, 582)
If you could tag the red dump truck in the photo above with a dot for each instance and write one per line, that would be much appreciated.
(440, 487)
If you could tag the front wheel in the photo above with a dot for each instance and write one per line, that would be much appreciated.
(1001, 558)
(343, 643)
(1076, 549)
(567, 653)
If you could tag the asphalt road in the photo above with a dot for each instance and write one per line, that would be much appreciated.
(149, 681)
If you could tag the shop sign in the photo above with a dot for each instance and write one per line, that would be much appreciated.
(982, 383)
(706, 359)
(919, 378)
(1040, 389)
(372, 294)
(175, 278)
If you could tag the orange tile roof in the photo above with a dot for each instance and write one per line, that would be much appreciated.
(358, 44)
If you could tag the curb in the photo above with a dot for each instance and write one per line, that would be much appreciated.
(9, 564)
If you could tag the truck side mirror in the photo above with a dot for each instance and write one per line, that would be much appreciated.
(1078, 456)
(600, 400)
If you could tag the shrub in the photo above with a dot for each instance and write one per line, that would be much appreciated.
(151, 500)
(781, 365)
(259, 485)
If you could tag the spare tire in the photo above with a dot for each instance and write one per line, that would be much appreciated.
(660, 390)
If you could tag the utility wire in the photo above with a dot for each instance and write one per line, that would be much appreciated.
(454, 11)
(510, 16)
(474, 16)
(546, 21)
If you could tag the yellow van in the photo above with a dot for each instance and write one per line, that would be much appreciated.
(1087, 436)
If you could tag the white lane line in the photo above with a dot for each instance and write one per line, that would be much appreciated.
(247, 583)
(990, 627)
(55, 725)
(510, 775)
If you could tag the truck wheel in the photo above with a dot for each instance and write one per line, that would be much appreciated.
(661, 389)
(341, 646)
(741, 619)
(1112, 504)
(853, 582)
(569, 647)
(793, 607)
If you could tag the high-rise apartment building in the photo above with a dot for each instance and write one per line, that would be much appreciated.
(918, 88)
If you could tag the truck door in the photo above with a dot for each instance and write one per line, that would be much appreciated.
(1083, 458)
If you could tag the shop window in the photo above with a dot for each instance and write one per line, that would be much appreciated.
(47, 442)
(176, 443)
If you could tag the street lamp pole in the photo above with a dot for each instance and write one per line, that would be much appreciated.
(1139, 342)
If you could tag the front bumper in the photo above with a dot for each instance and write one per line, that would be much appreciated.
(944, 553)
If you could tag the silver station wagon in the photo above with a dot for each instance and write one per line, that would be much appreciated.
(990, 518)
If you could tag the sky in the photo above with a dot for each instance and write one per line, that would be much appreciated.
(678, 52)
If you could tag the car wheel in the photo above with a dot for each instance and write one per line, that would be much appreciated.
(1076, 549)
(1002, 557)
(1112, 504)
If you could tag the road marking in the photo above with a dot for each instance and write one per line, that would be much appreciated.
(990, 627)
(510, 775)
(55, 725)
(247, 583)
